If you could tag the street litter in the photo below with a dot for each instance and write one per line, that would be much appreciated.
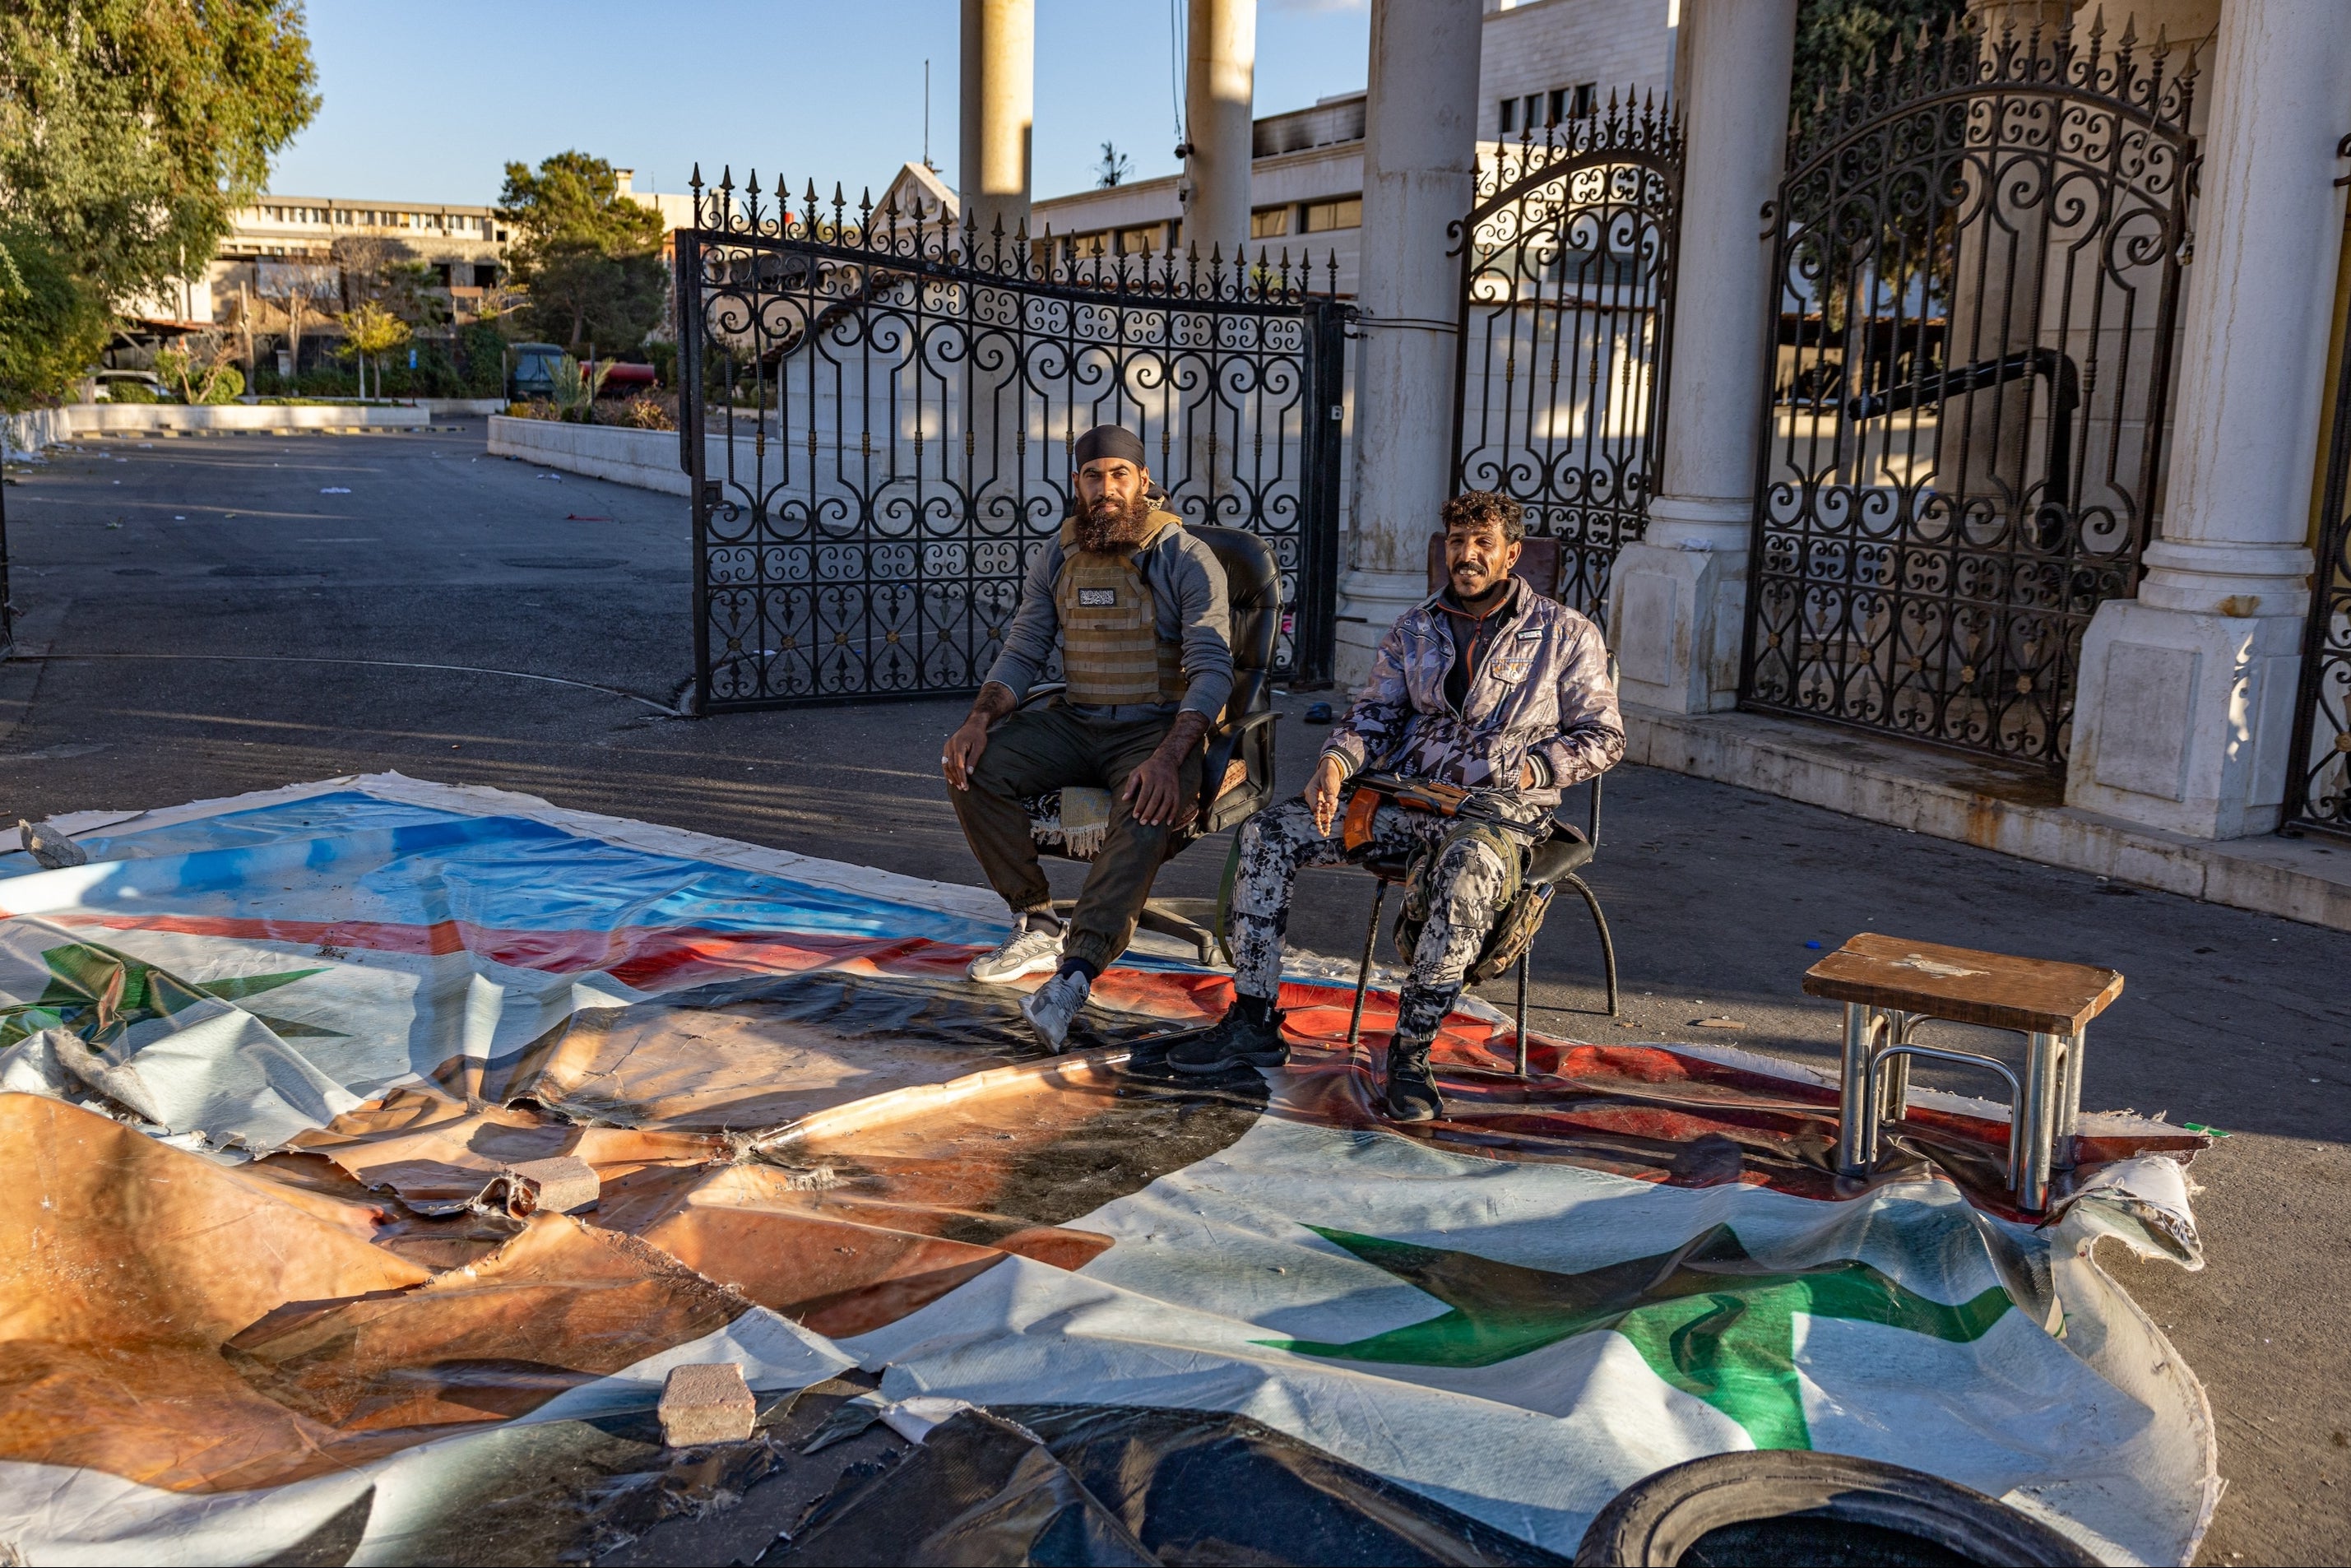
(334, 490)
(278, 1072)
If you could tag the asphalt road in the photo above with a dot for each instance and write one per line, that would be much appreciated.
(213, 619)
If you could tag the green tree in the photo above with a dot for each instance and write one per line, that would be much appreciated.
(588, 256)
(1834, 37)
(130, 131)
(369, 331)
(51, 325)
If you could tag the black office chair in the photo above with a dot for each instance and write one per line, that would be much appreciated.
(1236, 774)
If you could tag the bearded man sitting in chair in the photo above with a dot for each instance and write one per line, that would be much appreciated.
(1139, 609)
(1487, 694)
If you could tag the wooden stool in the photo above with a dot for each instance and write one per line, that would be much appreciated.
(1889, 986)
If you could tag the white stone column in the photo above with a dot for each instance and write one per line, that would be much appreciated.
(2186, 694)
(998, 109)
(1678, 598)
(1420, 151)
(1219, 98)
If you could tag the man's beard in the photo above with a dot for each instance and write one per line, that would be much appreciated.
(1110, 522)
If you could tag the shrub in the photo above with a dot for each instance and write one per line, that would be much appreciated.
(130, 391)
(646, 412)
(535, 408)
(224, 383)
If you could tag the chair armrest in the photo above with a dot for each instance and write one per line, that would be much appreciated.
(1243, 724)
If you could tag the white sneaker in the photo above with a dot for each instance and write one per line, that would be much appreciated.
(1053, 1007)
(1025, 952)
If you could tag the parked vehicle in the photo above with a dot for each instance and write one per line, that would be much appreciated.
(624, 379)
(143, 386)
(530, 372)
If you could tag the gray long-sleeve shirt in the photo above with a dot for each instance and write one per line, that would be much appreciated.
(1188, 607)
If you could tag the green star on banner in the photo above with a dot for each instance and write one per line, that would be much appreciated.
(1706, 1317)
(98, 993)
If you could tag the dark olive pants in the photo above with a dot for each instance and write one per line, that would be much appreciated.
(1049, 747)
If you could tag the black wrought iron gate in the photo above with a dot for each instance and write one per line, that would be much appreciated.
(1567, 288)
(1978, 261)
(876, 412)
(2318, 787)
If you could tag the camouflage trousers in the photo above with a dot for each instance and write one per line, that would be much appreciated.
(1466, 892)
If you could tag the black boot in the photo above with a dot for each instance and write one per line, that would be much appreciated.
(1412, 1088)
(1249, 1032)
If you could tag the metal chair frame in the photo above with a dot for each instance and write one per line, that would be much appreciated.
(1572, 879)
(2044, 1104)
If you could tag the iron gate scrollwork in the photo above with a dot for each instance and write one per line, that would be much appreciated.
(1567, 286)
(876, 412)
(1978, 253)
(2318, 780)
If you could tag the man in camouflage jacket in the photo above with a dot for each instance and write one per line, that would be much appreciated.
(1487, 685)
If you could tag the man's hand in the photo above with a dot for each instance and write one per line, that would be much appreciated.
(1154, 791)
(961, 753)
(1322, 791)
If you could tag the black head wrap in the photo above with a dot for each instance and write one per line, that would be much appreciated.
(1107, 440)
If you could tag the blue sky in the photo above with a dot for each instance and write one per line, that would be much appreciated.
(427, 101)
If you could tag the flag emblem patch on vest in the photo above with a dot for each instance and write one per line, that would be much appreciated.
(1091, 597)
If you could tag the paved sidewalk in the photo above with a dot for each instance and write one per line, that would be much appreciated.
(170, 675)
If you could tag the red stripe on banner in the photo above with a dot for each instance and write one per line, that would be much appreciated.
(647, 957)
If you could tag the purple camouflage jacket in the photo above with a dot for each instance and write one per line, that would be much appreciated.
(1544, 695)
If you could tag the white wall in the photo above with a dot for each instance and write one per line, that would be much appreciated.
(1548, 44)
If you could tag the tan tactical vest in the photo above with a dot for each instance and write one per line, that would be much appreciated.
(1110, 652)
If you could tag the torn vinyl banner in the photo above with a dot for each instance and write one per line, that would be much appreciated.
(265, 1064)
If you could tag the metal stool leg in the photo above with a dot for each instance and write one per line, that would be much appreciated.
(1856, 1096)
(1608, 945)
(1522, 1009)
(1363, 970)
(2043, 1066)
(2069, 1102)
(1894, 1071)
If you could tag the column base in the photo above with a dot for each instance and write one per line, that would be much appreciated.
(2181, 719)
(1677, 618)
(1369, 603)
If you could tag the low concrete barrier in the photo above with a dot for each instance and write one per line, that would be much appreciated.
(131, 418)
(22, 435)
(645, 458)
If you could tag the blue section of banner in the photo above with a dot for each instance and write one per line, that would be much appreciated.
(349, 856)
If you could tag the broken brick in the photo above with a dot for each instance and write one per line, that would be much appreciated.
(559, 1186)
(706, 1403)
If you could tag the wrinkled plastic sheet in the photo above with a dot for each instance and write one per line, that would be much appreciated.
(1112, 1484)
(265, 1061)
